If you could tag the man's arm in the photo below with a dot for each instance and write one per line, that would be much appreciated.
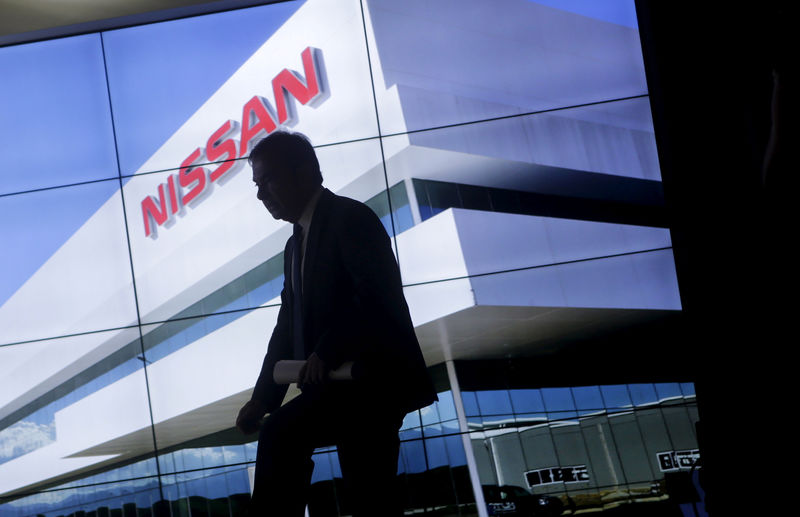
(267, 396)
(366, 253)
(280, 347)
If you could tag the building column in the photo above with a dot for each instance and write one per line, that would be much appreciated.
(412, 200)
(472, 466)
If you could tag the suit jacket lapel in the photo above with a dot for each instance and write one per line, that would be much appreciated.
(318, 220)
(288, 261)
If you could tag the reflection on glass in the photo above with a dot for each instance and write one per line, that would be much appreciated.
(436, 452)
(208, 492)
(562, 417)
(591, 458)
(198, 368)
(324, 461)
(470, 402)
(446, 405)
(627, 434)
(412, 453)
(526, 400)
(680, 424)
(99, 494)
(439, 411)
(687, 388)
(668, 390)
(530, 419)
(588, 397)
(556, 399)
(69, 403)
(616, 397)
(643, 394)
(396, 219)
(494, 402)
(411, 420)
(233, 454)
(454, 444)
(37, 429)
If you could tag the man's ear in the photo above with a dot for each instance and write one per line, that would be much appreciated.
(306, 171)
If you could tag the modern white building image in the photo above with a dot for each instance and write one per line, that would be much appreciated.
(508, 148)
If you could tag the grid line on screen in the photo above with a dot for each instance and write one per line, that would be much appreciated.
(378, 122)
(331, 144)
(133, 275)
(152, 334)
(517, 115)
(538, 266)
(504, 426)
(54, 187)
(179, 318)
(420, 130)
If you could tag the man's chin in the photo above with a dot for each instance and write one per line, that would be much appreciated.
(274, 212)
(280, 216)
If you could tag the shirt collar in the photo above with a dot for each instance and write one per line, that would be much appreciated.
(308, 211)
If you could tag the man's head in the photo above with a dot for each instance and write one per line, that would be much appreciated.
(286, 172)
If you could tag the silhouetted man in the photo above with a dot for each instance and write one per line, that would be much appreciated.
(342, 301)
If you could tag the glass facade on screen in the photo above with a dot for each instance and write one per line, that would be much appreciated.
(508, 150)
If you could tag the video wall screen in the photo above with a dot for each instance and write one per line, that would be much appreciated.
(92, 289)
(507, 148)
(463, 62)
(56, 121)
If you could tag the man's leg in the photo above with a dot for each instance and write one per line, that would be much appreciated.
(283, 463)
(368, 458)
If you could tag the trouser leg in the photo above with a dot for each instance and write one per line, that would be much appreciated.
(369, 466)
(283, 462)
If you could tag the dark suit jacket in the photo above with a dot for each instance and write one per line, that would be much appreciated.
(353, 309)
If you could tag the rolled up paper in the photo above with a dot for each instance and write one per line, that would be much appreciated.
(287, 372)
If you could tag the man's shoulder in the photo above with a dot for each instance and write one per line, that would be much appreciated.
(351, 219)
(341, 201)
(347, 207)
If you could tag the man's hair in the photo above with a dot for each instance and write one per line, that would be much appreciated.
(287, 149)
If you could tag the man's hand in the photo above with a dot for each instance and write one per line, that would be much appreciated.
(250, 416)
(315, 371)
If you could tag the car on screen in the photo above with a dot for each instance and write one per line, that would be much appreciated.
(511, 500)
